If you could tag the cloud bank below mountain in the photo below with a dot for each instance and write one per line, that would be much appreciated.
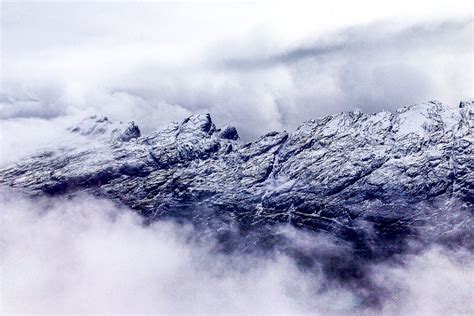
(87, 255)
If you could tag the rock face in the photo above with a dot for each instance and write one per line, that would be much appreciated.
(368, 179)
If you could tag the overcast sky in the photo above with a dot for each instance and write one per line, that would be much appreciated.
(259, 66)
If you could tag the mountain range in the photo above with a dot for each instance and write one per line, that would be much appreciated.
(377, 185)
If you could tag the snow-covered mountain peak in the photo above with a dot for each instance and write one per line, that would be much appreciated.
(330, 174)
(102, 128)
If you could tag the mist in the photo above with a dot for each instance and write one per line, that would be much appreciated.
(86, 255)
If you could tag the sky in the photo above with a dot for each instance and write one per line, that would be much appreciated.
(259, 66)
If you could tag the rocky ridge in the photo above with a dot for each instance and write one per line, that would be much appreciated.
(368, 179)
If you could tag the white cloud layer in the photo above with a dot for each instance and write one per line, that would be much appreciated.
(86, 255)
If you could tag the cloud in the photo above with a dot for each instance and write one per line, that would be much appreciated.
(22, 137)
(87, 255)
(381, 65)
(258, 67)
(433, 283)
(381, 35)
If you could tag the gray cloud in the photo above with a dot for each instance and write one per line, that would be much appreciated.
(379, 36)
(172, 63)
(377, 66)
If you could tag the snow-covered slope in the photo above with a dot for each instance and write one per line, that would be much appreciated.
(368, 179)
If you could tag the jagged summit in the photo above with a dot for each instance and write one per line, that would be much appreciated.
(102, 128)
(341, 173)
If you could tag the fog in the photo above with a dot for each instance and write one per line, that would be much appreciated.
(87, 255)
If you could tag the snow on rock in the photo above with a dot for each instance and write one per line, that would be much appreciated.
(102, 128)
(331, 174)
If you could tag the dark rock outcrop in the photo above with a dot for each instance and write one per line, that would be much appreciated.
(369, 180)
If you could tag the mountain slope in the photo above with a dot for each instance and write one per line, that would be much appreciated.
(368, 179)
